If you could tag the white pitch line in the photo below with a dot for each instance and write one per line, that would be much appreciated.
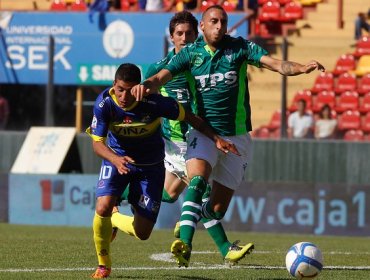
(208, 267)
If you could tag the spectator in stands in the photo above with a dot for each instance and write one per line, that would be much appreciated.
(4, 112)
(325, 127)
(159, 5)
(300, 123)
(361, 24)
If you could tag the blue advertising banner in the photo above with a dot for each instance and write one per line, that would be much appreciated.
(290, 207)
(87, 50)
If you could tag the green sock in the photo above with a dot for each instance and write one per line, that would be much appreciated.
(167, 198)
(191, 209)
(124, 195)
(215, 228)
(217, 232)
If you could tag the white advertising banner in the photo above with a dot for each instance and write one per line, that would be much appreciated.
(44, 150)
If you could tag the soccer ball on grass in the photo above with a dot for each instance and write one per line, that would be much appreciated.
(304, 260)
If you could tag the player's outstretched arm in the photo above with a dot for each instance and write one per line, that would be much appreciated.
(151, 85)
(199, 124)
(119, 161)
(290, 68)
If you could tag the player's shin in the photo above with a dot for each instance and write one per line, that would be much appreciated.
(191, 209)
(123, 223)
(217, 232)
(102, 227)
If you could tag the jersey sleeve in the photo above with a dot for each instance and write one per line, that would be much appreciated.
(168, 107)
(253, 52)
(152, 70)
(98, 129)
(180, 62)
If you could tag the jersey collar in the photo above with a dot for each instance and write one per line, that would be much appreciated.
(113, 96)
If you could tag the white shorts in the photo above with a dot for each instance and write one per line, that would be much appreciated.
(174, 160)
(227, 169)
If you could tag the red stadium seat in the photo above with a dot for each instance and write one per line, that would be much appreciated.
(302, 94)
(229, 6)
(275, 121)
(345, 82)
(364, 85)
(270, 11)
(349, 120)
(58, 6)
(365, 104)
(362, 47)
(206, 4)
(365, 124)
(324, 81)
(367, 137)
(354, 135)
(291, 12)
(345, 63)
(322, 98)
(261, 2)
(79, 6)
(347, 101)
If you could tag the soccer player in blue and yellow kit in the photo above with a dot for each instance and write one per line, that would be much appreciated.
(127, 135)
(216, 66)
(183, 29)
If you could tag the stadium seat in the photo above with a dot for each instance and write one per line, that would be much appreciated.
(324, 81)
(363, 66)
(345, 63)
(367, 137)
(364, 84)
(347, 101)
(58, 6)
(365, 124)
(78, 6)
(302, 94)
(345, 82)
(362, 47)
(275, 121)
(322, 98)
(349, 120)
(292, 12)
(354, 135)
(229, 6)
(262, 2)
(206, 4)
(270, 11)
(365, 104)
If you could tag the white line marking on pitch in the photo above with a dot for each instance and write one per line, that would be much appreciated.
(208, 267)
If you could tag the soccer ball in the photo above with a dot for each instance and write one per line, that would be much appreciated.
(304, 260)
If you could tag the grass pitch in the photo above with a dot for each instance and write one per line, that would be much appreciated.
(35, 252)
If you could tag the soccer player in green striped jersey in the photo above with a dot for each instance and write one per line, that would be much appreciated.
(216, 67)
(183, 29)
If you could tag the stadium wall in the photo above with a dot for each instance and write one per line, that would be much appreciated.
(293, 186)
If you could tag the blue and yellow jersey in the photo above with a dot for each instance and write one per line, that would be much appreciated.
(178, 89)
(220, 80)
(133, 131)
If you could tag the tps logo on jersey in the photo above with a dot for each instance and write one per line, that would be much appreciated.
(118, 39)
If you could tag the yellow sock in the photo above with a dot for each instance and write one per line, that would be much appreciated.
(102, 227)
(124, 223)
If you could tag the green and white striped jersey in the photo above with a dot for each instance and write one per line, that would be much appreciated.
(219, 81)
(178, 89)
